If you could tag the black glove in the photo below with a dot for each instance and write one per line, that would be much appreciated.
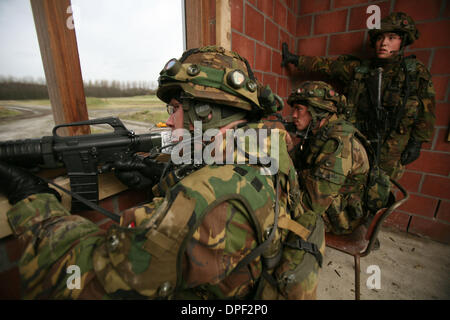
(137, 173)
(17, 184)
(411, 152)
(288, 57)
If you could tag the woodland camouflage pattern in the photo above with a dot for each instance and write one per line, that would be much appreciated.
(418, 118)
(184, 246)
(333, 170)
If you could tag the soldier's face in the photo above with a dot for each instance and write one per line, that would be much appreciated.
(301, 116)
(387, 45)
(176, 115)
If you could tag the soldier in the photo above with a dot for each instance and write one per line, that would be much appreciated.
(399, 114)
(212, 231)
(332, 162)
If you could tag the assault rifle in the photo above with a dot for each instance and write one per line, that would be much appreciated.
(82, 156)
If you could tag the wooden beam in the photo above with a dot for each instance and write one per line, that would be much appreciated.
(194, 34)
(59, 52)
(223, 24)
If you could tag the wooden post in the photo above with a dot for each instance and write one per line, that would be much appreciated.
(59, 52)
(223, 24)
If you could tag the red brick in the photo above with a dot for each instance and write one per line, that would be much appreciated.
(330, 22)
(285, 37)
(433, 229)
(441, 61)
(253, 23)
(282, 87)
(399, 220)
(270, 80)
(303, 26)
(280, 15)
(422, 55)
(237, 15)
(444, 211)
(359, 16)
(244, 46)
(347, 43)
(410, 181)
(266, 6)
(348, 3)
(433, 34)
(258, 75)
(432, 162)
(419, 205)
(428, 145)
(436, 187)
(263, 58)
(271, 34)
(440, 86)
(276, 63)
(314, 6)
(313, 46)
(291, 23)
(442, 114)
(442, 144)
(10, 284)
(291, 4)
(419, 9)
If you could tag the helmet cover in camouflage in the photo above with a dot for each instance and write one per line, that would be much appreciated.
(211, 74)
(317, 94)
(397, 22)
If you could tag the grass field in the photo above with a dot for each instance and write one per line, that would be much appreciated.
(5, 113)
(152, 107)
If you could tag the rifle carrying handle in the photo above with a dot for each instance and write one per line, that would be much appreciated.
(117, 125)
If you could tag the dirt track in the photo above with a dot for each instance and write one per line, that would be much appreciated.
(37, 121)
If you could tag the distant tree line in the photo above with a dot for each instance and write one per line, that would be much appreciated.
(29, 88)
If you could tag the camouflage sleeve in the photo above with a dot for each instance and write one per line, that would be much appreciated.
(423, 127)
(54, 240)
(341, 68)
(217, 246)
(324, 179)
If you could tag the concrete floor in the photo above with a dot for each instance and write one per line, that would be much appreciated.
(410, 268)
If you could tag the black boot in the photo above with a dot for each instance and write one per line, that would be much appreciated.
(287, 56)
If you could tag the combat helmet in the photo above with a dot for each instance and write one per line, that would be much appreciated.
(320, 98)
(397, 22)
(212, 77)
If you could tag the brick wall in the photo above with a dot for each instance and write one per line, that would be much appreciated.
(11, 249)
(332, 27)
(258, 28)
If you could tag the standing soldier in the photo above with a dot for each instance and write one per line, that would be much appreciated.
(216, 231)
(390, 97)
(333, 165)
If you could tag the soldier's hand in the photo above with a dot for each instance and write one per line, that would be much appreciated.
(411, 152)
(17, 184)
(288, 57)
(137, 173)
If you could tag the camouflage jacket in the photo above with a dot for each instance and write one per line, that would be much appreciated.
(415, 120)
(333, 168)
(184, 246)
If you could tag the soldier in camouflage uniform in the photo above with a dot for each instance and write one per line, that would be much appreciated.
(332, 161)
(211, 232)
(405, 117)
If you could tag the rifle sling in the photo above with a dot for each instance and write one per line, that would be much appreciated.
(113, 216)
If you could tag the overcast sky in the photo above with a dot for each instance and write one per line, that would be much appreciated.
(117, 40)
